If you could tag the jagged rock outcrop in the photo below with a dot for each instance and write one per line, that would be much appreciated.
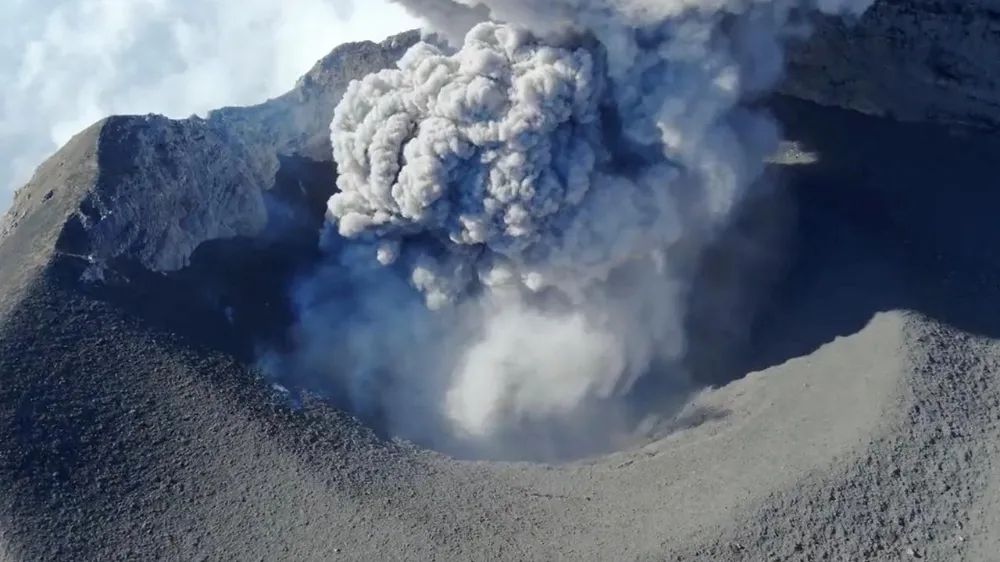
(912, 60)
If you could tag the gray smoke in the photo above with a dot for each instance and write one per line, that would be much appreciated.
(512, 241)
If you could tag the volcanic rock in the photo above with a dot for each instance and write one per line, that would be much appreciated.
(912, 60)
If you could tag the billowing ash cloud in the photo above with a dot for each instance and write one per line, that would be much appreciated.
(517, 218)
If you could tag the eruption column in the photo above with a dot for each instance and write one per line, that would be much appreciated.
(537, 195)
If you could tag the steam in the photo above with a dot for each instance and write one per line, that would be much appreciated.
(519, 218)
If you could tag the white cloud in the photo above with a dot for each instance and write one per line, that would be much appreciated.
(70, 62)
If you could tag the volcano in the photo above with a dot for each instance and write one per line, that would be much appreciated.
(144, 265)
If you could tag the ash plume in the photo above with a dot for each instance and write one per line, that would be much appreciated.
(518, 217)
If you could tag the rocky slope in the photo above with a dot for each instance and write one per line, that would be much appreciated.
(913, 60)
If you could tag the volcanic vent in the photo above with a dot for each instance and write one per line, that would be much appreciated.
(530, 222)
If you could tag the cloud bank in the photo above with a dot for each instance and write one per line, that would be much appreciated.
(518, 219)
(69, 63)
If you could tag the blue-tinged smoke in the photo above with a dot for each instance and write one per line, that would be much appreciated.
(511, 244)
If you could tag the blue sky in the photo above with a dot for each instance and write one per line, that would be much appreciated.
(69, 63)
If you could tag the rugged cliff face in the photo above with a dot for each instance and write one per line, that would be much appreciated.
(913, 60)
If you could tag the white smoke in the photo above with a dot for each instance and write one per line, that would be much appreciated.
(68, 63)
(518, 220)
